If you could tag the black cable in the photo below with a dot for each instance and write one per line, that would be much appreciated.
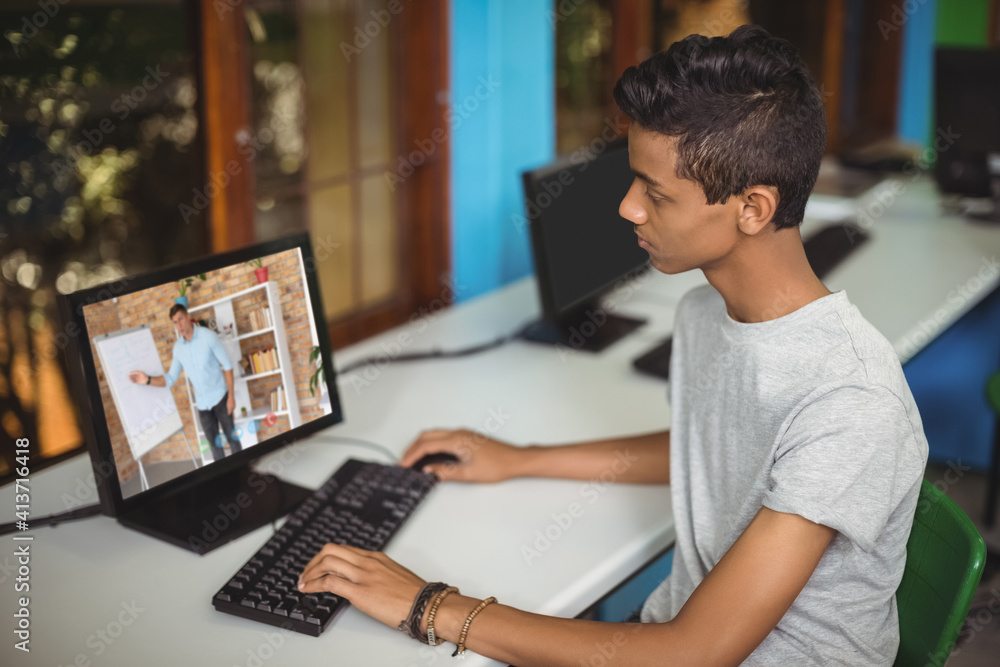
(53, 520)
(436, 353)
(361, 443)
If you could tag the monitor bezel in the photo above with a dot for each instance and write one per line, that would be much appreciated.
(80, 360)
(532, 180)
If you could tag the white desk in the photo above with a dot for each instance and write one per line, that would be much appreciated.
(83, 573)
(470, 536)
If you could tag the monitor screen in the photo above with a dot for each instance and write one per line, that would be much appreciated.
(967, 104)
(581, 245)
(198, 364)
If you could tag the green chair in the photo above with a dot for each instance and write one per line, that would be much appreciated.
(945, 556)
(993, 477)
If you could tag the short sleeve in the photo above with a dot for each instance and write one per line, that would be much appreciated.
(846, 461)
(219, 350)
(175, 370)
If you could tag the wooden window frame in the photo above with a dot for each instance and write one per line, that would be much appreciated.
(420, 57)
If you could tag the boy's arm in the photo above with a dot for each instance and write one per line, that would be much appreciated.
(640, 459)
(725, 619)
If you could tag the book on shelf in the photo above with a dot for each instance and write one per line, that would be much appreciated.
(277, 399)
(260, 318)
(263, 361)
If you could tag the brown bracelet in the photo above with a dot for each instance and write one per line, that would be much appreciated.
(411, 624)
(432, 612)
(460, 649)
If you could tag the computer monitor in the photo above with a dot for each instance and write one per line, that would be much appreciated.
(186, 375)
(582, 247)
(967, 104)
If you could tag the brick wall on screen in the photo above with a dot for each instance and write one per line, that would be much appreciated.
(152, 307)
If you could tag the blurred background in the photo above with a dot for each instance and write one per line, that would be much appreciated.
(135, 134)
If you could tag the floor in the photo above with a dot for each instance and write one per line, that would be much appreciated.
(979, 641)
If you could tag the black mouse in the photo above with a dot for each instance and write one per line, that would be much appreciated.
(432, 459)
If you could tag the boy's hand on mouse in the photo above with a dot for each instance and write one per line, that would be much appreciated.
(480, 459)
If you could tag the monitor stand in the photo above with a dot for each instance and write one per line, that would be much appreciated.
(216, 511)
(589, 328)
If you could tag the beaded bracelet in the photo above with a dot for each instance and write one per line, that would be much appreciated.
(460, 649)
(432, 613)
(411, 624)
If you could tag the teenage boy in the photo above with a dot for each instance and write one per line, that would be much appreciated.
(796, 452)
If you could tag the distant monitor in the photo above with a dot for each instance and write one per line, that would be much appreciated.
(187, 375)
(967, 104)
(582, 247)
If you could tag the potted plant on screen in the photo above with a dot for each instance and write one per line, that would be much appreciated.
(318, 379)
(183, 286)
(259, 270)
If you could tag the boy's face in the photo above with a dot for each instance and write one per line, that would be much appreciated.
(672, 218)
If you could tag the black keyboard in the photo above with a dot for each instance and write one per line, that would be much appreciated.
(831, 245)
(362, 505)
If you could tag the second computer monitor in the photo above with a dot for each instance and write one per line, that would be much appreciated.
(581, 246)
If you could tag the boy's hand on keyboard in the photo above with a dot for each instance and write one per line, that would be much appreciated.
(370, 580)
(481, 459)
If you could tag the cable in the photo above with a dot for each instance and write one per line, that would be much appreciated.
(437, 353)
(53, 520)
(361, 443)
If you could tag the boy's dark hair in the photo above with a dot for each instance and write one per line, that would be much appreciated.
(176, 308)
(745, 112)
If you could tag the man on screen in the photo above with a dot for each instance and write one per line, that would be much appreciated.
(201, 355)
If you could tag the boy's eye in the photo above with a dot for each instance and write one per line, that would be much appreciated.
(655, 198)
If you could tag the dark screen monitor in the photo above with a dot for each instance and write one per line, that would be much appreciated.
(967, 105)
(151, 378)
(582, 247)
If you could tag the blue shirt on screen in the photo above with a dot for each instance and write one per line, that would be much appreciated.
(201, 358)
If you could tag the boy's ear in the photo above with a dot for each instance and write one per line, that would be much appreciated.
(757, 207)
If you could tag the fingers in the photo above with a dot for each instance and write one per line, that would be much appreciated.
(446, 471)
(329, 563)
(428, 442)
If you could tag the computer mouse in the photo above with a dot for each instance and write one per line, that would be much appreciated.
(432, 459)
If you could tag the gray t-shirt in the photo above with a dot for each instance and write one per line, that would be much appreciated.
(807, 414)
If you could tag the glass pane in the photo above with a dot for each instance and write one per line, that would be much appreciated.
(584, 76)
(281, 217)
(375, 86)
(277, 91)
(324, 24)
(379, 241)
(99, 150)
(676, 19)
(330, 221)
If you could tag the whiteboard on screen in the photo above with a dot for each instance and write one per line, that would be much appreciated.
(149, 414)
